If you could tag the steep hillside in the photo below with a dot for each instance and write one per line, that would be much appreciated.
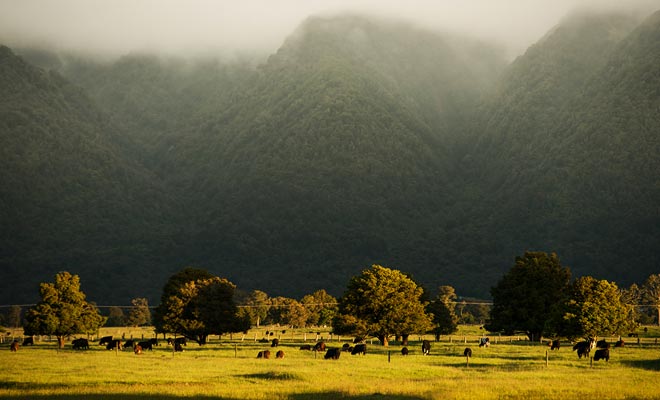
(566, 149)
(69, 198)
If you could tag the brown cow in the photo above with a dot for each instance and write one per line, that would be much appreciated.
(14, 346)
(279, 354)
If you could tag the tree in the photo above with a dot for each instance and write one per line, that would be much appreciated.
(381, 302)
(171, 290)
(139, 314)
(525, 297)
(255, 307)
(116, 317)
(595, 308)
(651, 293)
(202, 307)
(442, 308)
(286, 311)
(14, 316)
(62, 310)
(321, 307)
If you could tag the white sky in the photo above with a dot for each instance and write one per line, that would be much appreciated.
(193, 26)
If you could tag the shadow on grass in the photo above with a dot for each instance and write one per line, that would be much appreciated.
(651, 365)
(270, 376)
(107, 396)
(339, 395)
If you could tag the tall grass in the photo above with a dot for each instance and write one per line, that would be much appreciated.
(225, 369)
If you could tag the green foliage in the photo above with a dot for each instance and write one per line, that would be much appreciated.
(381, 302)
(525, 298)
(256, 305)
(321, 307)
(595, 309)
(650, 294)
(139, 314)
(63, 310)
(198, 308)
(443, 310)
(116, 317)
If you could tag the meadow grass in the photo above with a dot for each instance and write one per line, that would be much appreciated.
(229, 369)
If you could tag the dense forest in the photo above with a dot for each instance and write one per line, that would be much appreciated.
(359, 141)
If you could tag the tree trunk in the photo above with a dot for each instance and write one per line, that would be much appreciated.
(383, 340)
(60, 342)
(404, 340)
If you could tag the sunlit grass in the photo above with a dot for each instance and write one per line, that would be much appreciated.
(230, 370)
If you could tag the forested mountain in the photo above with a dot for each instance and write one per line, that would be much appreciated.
(70, 198)
(359, 141)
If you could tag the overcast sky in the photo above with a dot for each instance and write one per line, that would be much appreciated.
(193, 26)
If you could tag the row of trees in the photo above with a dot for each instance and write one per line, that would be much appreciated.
(537, 297)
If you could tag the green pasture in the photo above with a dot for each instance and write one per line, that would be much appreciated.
(227, 368)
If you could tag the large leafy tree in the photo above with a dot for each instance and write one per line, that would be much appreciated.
(321, 306)
(442, 308)
(525, 298)
(255, 306)
(203, 307)
(62, 310)
(595, 308)
(140, 313)
(171, 291)
(651, 293)
(381, 302)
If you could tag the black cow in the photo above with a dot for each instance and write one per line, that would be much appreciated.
(332, 353)
(105, 340)
(114, 344)
(305, 347)
(129, 343)
(426, 347)
(80, 344)
(620, 343)
(633, 334)
(467, 352)
(319, 346)
(555, 344)
(275, 343)
(346, 347)
(359, 349)
(404, 351)
(602, 344)
(180, 340)
(153, 341)
(263, 340)
(484, 342)
(264, 354)
(14, 346)
(602, 354)
(583, 348)
(28, 341)
(146, 345)
(178, 347)
(279, 354)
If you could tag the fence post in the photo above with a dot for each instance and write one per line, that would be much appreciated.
(389, 359)
(546, 358)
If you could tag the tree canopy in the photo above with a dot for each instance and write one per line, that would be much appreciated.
(442, 308)
(525, 297)
(381, 302)
(62, 310)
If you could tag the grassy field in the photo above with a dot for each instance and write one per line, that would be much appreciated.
(228, 369)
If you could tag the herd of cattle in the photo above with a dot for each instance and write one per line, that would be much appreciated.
(583, 348)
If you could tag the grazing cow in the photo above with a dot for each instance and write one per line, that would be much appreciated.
(305, 347)
(633, 334)
(319, 346)
(14, 346)
(467, 352)
(359, 349)
(178, 347)
(180, 340)
(279, 354)
(137, 349)
(263, 340)
(583, 348)
(602, 354)
(358, 339)
(28, 341)
(346, 347)
(114, 344)
(275, 343)
(80, 344)
(602, 344)
(264, 354)
(404, 351)
(555, 344)
(620, 343)
(146, 345)
(426, 347)
(332, 353)
(153, 341)
(105, 340)
(484, 342)
(129, 343)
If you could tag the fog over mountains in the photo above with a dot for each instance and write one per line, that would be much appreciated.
(359, 140)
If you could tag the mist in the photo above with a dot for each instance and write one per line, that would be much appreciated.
(260, 26)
